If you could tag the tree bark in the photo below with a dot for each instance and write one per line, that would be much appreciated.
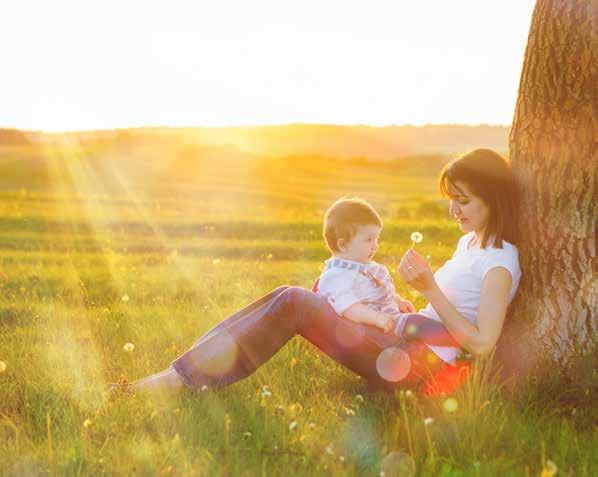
(553, 322)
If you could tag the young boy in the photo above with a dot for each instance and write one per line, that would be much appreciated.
(359, 288)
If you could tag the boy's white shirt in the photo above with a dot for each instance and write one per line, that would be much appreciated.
(346, 282)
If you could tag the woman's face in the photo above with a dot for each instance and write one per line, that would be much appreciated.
(471, 211)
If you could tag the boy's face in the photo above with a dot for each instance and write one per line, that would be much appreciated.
(362, 247)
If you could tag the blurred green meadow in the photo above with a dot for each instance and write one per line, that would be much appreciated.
(103, 244)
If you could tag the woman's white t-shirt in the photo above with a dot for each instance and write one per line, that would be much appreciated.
(461, 277)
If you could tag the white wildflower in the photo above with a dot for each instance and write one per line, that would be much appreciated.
(128, 347)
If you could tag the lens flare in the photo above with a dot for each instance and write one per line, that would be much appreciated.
(397, 464)
(411, 330)
(450, 405)
(220, 362)
(393, 364)
(348, 336)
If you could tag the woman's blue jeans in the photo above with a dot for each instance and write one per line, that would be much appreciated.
(237, 346)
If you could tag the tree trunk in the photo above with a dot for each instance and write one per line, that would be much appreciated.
(553, 322)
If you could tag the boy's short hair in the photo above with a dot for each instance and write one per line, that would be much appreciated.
(344, 217)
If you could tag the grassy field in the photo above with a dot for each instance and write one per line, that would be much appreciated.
(96, 254)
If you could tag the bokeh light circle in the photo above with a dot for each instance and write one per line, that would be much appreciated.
(397, 464)
(450, 405)
(393, 364)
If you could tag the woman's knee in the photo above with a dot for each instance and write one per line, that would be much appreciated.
(281, 288)
(301, 296)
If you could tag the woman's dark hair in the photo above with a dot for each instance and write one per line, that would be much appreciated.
(489, 176)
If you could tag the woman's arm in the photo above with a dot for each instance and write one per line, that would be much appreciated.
(477, 339)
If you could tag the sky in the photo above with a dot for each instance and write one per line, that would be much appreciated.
(81, 65)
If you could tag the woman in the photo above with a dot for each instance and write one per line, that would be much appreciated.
(469, 294)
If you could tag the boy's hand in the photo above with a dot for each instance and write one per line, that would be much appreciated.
(405, 306)
(386, 322)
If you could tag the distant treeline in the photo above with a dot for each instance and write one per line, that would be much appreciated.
(14, 137)
(152, 162)
(342, 142)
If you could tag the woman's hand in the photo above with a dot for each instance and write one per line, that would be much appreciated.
(416, 272)
(405, 306)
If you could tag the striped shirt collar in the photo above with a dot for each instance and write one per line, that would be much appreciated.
(348, 264)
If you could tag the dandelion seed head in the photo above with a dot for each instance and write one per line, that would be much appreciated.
(246, 435)
(293, 426)
(203, 388)
(128, 347)
(428, 421)
(416, 237)
(266, 393)
(125, 298)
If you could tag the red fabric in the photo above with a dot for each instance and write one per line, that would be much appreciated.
(314, 287)
(447, 380)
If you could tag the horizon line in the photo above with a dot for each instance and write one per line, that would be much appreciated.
(248, 126)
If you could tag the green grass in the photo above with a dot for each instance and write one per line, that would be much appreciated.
(187, 253)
